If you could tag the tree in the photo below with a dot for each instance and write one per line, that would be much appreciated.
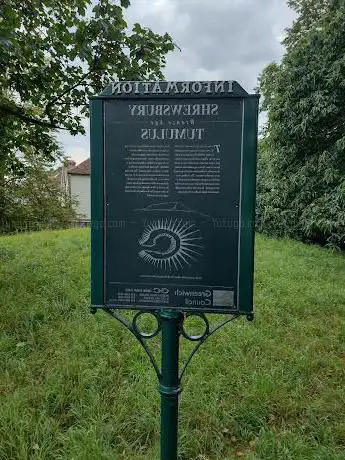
(302, 156)
(53, 56)
(35, 200)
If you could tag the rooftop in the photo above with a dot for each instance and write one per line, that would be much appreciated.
(83, 168)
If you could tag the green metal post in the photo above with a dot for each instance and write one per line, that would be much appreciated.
(169, 385)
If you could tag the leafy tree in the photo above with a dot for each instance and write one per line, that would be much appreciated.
(302, 156)
(53, 56)
(309, 12)
(35, 200)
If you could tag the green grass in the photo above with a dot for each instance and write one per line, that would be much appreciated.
(77, 386)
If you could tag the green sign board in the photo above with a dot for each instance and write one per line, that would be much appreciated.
(173, 196)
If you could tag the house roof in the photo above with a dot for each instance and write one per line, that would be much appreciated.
(83, 168)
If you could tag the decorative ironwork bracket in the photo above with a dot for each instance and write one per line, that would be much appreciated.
(143, 337)
(208, 331)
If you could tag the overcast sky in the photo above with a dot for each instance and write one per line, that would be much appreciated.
(219, 40)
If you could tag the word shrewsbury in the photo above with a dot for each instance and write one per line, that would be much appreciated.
(159, 110)
(171, 87)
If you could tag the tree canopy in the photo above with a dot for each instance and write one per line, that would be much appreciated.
(35, 200)
(302, 155)
(53, 56)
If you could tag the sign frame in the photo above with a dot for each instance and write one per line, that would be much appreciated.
(244, 301)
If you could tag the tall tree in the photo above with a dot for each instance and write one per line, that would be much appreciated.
(53, 56)
(302, 158)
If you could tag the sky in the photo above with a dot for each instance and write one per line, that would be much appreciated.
(219, 40)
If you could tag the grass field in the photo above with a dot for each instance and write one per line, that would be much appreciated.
(77, 386)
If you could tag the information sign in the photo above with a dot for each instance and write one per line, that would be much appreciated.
(173, 196)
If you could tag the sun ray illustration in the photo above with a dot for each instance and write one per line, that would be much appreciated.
(170, 244)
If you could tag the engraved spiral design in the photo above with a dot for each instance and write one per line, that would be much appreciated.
(170, 244)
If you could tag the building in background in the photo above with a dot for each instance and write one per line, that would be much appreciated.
(60, 175)
(80, 188)
(75, 182)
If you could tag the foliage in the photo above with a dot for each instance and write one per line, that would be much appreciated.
(53, 57)
(78, 386)
(302, 160)
(34, 201)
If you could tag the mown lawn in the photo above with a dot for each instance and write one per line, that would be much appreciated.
(77, 386)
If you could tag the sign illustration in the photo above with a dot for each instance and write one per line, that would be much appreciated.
(173, 196)
(170, 244)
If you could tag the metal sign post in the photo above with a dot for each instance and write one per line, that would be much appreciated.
(173, 168)
(169, 384)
